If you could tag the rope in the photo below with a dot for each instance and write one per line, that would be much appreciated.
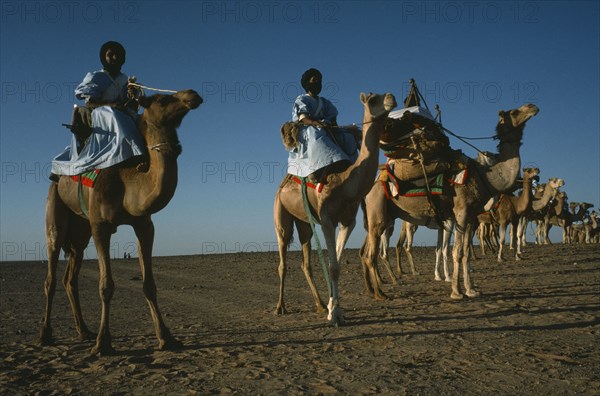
(151, 89)
(464, 139)
(433, 206)
(311, 221)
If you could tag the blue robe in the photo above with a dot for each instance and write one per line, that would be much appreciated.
(316, 147)
(115, 136)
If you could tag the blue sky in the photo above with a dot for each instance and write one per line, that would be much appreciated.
(245, 58)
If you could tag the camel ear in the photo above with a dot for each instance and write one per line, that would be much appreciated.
(363, 97)
(145, 101)
(501, 113)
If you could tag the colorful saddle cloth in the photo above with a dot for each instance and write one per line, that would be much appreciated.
(88, 178)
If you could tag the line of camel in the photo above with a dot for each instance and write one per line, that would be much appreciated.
(130, 194)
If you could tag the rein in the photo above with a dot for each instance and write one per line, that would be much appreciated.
(464, 139)
(142, 87)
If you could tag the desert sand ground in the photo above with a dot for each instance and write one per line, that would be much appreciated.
(534, 330)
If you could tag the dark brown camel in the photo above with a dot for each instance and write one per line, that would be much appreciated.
(121, 195)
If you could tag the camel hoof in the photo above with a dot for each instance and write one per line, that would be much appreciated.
(45, 338)
(471, 293)
(336, 317)
(438, 278)
(321, 308)
(103, 350)
(280, 310)
(170, 344)
(448, 279)
(86, 335)
(381, 296)
(456, 296)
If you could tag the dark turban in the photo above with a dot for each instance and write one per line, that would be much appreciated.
(307, 76)
(115, 46)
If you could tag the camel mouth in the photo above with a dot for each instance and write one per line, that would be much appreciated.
(389, 102)
(190, 98)
(193, 103)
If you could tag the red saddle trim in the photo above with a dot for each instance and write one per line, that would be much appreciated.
(318, 186)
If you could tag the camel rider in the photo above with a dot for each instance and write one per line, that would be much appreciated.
(114, 136)
(323, 148)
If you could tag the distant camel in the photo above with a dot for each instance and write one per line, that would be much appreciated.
(509, 210)
(121, 195)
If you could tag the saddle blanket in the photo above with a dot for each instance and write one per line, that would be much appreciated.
(88, 178)
(417, 188)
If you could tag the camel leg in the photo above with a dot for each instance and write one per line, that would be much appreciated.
(144, 231)
(514, 237)
(467, 236)
(501, 241)
(57, 215)
(365, 269)
(342, 239)
(106, 286)
(383, 253)
(456, 258)
(460, 255)
(370, 258)
(520, 236)
(79, 236)
(305, 234)
(441, 254)
(480, 236)
(410, 235)
(336, 315)
(283, 228)
(447, 234)
(399, 247)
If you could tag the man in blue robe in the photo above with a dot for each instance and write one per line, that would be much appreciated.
(115, 137)
(322, 145)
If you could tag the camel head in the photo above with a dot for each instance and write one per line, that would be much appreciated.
(169, 110)
(556, 183)
(377, 106)
(585, 206)
(511, 123)
(530, 173)
(163, 115)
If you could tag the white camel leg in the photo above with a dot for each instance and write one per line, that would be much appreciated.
(335, 313)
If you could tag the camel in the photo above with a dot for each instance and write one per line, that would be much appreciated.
(461, 203)
(487, 232)
(589, 226)
(565, 219)
(377, 199)
(543, 195)
(509, 211)
(124, 194)
(560, 216)
(592, 230)
(337, 203)
(569, 219)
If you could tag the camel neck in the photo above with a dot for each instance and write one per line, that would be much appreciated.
(361, 174)
(160, 180)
